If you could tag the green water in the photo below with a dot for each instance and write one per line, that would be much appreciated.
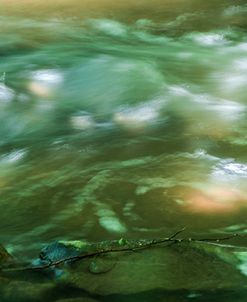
(121, 120)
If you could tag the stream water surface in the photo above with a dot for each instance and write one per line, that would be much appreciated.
(121, 119)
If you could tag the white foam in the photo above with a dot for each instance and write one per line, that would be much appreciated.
(209, 39)
(225, 109)
(242, 265)
(138, 116)
(237, 169)
(142, 114)
(44, 82)
(242, 46)
(234, 81)
(229, 169)
(109, 27)
(235, 10)
(13, 156)
(51, 76)
(200, 153)
(179, 91)
(112, 224)
(240, 64)
(6, 94)
(108, 220)
(82, 122)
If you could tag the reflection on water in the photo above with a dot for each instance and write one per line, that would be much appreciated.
(121, 119)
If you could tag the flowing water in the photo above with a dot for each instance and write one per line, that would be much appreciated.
(121, 119)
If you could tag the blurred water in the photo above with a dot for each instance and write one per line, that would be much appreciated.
(121, 119)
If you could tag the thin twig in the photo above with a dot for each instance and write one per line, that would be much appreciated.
(178, 232)
(215, 239)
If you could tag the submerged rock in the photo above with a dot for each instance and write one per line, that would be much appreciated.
(101, 265)
(169, 268)
(190, 266)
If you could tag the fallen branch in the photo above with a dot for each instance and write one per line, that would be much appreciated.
(129, 246)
